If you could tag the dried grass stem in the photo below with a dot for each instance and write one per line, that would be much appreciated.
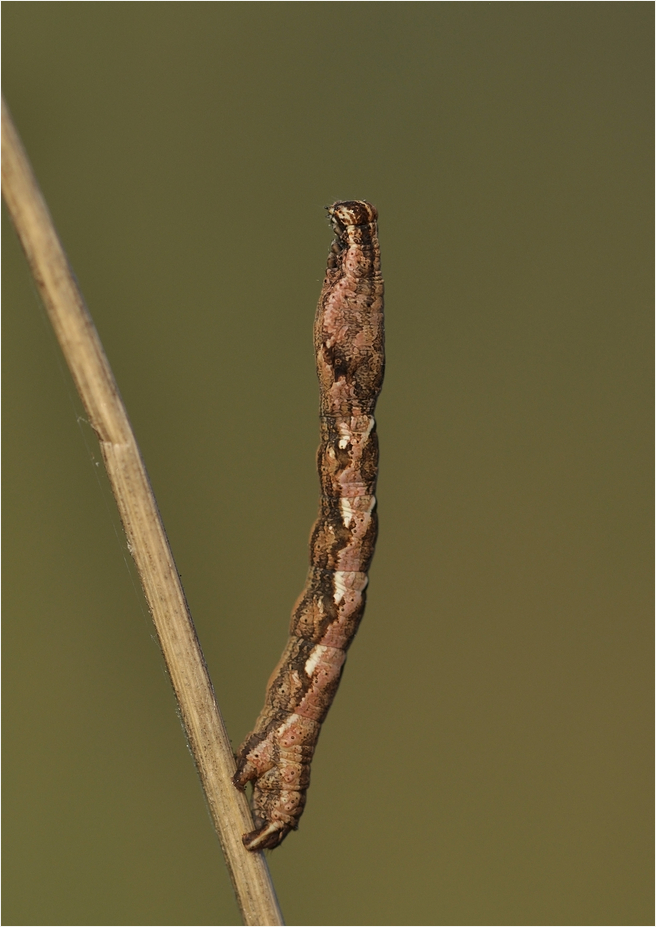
(95, 382)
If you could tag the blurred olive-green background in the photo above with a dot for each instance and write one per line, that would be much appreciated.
(488, 756)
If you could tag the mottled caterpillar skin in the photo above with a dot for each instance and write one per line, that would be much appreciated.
(349, 346)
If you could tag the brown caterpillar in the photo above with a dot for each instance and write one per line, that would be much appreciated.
(350, 356)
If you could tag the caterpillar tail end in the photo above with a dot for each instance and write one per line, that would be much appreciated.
(267, 837)
(270, 834)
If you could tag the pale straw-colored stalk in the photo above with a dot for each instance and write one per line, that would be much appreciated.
(143, 526)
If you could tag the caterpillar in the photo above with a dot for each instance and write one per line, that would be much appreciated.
(350, 359)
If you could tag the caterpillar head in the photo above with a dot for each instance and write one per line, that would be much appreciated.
(348, 215)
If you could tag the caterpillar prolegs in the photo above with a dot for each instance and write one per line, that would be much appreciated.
(350, 357)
